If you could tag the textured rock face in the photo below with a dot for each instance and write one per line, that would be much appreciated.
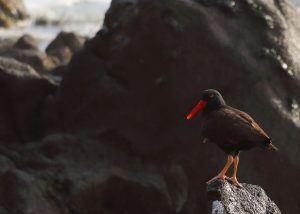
(22, 96)
(67, 174)
(145, 70)
(65, 45)
(25, 50)
(224, 198)
(12, 11)
(59, 51)
(115, 130)
(26, 42)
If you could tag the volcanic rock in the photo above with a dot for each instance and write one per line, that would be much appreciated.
(143, 72)
(25, 50)
(27, 42)
(113, 136)
(227, 199)
(65, 45)
(22, 96)
(41, 176)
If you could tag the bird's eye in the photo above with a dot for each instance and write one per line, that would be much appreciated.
(211, 95)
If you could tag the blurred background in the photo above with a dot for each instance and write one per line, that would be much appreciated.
(49, 17)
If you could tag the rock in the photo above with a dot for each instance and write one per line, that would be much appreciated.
(7, 43)
(227, 199)
(144, 71)
(22, 96)
(39, 60)
(13, 65)
(11, 12)
(114, 131)
(47, 173)
(26, 50)
(65, 45)
(27, 42)
(58, 72)
(23, 188)
(44, 21)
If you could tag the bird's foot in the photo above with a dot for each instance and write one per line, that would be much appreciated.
(218, 177)
(235, 182)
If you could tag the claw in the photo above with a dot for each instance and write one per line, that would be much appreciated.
(222, 175)
(218, 177)
(235, 182)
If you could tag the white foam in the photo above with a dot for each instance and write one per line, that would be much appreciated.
(84, 17)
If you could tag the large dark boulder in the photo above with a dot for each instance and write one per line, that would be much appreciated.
(68, 174)
(145, 69)
(58, 53)
(26, 51)
(27, 42)
(23, 94)
(114, 137)
(36, 58)
(65, 45)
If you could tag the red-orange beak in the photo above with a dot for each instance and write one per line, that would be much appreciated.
(197, 108)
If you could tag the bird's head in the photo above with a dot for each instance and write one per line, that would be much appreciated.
(210, 100)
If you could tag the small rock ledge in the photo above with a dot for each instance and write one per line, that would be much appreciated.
(224, 198)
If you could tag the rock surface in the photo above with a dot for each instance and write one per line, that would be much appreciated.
(114, 131)
(27, 42)
(65, 45)
(58, 53)
(143, 72)
(23, 94)
(25, 50)
(224, 198)
(68, 174)
(12, 11)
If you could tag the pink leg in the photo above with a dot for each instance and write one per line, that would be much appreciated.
(233, 179)
(222, 175)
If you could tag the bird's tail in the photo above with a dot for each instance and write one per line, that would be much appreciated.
(270, 146)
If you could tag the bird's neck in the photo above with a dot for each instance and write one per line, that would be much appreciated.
(213, 106)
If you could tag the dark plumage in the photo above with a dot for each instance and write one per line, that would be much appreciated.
(231, 129)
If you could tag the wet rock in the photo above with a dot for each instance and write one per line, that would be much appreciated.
(44, 21)
(13, 65)
(11, 12)
(223, 198)
(7, 43)
(26, 50)
(65, 45)
(27, 42)
(39, 60)
(22, 95)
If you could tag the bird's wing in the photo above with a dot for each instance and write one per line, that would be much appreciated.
(247, 119)
(232, 127)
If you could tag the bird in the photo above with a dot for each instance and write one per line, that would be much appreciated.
(232, 130)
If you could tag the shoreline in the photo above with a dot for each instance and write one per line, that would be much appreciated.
(82, 18)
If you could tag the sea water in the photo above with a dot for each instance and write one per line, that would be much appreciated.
(84, 17)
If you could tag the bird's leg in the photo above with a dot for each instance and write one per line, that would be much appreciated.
(222, 175)
(233, 179)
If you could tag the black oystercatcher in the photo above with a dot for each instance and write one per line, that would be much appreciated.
(231, 129)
